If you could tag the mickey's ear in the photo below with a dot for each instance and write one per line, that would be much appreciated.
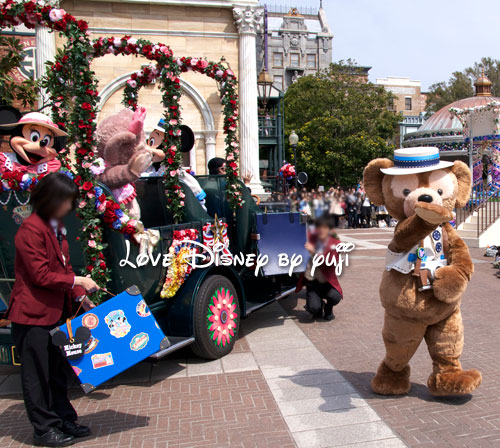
(9, 115)
(82, 334)
(373, 177)
(464, 179)
(60, 143)
(59, 338)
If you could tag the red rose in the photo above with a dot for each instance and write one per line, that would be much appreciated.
(86, 106)
(109, 216)
(87, 186)
(90, 268)
(83, 25)
(102, 265)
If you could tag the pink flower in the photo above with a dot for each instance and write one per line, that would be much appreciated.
(202, 63)
(56, 14)
(173, 173)
(82, 204)
(219, 73)
(132, 83)
(222, 317)
(179, 62)
(131, 41)
(91, 243)
(194, 61)
(164, 49)
(181, 203)
(173, 122)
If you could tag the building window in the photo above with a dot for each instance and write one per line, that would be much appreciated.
(278, 60)
(311, 61)
(294, 60)
(278, 81)
(408, 103)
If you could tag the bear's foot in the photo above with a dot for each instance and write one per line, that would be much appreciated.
(454, 382)
(388, 382)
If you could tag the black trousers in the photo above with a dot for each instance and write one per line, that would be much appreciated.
(43, 378)
(316, 292)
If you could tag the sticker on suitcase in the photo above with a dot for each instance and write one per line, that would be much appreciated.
(102, 360)
(90, 321)
(91, 345)
(117, 323)
(142, 309)
(139, 341)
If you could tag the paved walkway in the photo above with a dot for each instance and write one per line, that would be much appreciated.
(353, 343)
(275, 389)
(281, 388)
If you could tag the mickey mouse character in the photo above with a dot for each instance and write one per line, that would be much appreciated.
(35, 140)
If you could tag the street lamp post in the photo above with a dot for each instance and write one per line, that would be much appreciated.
(265, 86)
(294, 140)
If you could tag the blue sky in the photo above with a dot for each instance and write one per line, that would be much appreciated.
(425, 40)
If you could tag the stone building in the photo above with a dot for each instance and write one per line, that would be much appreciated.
(409, 100)
(299, 42)
(208, 29)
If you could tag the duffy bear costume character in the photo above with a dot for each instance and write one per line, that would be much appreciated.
(35, 140)
(124, 156)
(428, 267)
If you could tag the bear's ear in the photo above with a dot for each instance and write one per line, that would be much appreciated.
(464, 179)
(373, 177)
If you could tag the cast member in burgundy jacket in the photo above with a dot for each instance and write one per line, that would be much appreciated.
(42, 297)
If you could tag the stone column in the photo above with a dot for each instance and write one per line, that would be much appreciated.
(210, 141)
(45, 51)
(249, 21)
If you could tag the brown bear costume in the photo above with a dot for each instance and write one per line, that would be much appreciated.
(421, 191)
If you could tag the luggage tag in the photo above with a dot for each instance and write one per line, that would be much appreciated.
(73, 345)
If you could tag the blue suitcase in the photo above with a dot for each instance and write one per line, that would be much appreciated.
(124, 332)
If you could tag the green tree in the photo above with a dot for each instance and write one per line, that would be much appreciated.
(343, 122)
(460, 84)
(11, 57)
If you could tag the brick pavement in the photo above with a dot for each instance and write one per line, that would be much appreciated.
(353, 344)
(165, 408)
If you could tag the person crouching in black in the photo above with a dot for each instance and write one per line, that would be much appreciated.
(323, 288)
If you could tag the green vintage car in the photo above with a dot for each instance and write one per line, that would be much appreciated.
(187, 317)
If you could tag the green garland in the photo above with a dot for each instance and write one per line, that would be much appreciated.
(73, 88)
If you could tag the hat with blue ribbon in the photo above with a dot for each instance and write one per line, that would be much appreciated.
(416, 160)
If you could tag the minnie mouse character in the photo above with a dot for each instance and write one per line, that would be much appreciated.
(35, 140)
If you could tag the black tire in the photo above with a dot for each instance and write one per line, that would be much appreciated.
(211, 342)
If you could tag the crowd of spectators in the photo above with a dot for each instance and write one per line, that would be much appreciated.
(348, 207)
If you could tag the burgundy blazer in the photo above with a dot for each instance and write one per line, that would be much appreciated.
(327, 271)
(43, 285)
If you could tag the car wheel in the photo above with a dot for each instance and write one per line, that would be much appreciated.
(216, 318)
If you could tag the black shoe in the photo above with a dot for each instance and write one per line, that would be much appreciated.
(75, 429)
(329, 316)
(53, 437)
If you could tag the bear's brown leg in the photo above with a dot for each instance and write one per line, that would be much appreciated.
(401, 338)
(445, 341)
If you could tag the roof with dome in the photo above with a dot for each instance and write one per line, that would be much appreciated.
(444, 129)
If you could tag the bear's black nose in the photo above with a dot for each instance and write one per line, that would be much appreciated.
(425, 198)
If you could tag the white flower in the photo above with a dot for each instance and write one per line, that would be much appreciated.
(117, 42)
(131, 41)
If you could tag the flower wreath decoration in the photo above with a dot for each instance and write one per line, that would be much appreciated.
(73, 89)
(179, 268)
(227, 85)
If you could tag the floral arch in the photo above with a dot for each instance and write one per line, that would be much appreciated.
(74, 101)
